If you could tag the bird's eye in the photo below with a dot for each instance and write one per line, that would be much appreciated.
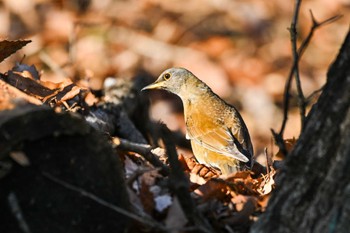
(167, 76)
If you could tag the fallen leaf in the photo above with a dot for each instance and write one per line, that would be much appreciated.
(213, 189)
(74, 91)
(9, 47)
(267, 183)
(289, 146)
(20, 158)
(129, 166)
(26, 71)
(190, 164)
(59, 85)
(150, 177)
(27, 85)
(10, 96)
(162, 202)
(146, 197)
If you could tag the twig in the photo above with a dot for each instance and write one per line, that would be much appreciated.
(52, 64)
(136, 174)
(279, 137)
(72, 50)
(144, 150)
(194, 23)
(145, 45)
(142, 219)
(17, 212)
(315, 25)
(267, 161)
(179, 184)
(294, 35)
(297, 54)
(308, 99)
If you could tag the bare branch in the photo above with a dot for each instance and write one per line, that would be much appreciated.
(297, 54)
(144, 150)
(294, 35)
(315, 25)
(179, 184)
(308, 99)
(17, 212)
(142, 219)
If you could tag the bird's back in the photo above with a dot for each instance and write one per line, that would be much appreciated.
(218, 127)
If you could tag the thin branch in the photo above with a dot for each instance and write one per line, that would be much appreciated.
(294, 70)
(144, 150)
(179, 184)
(308, 99)
(279, 137)
(315, 25)
(142, 219)
(45, 58)
(194, 23)
(136, 174)
(267, 161)
(17, 212)
(279, 140)
(294, 35)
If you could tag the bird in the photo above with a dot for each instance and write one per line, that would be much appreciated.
(219, 137)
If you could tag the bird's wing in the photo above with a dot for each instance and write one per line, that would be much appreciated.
(218, 138)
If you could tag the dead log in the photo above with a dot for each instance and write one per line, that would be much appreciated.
(63, 152)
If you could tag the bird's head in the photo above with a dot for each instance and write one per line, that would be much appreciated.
(174, 80)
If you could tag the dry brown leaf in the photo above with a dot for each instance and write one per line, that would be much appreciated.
(9, 96)
(190, 164)
(90, 99)
(240, 175)
(130, 166)
(20, 158)
(243, 183)
(196, 180)
(9, 47)
(268, 183)
(71, 93)
(59, 85)
(289, 146)
(27, 85)
(26, 71)
(187, 165)
(146, 197)
(213, 189)
(150, 177)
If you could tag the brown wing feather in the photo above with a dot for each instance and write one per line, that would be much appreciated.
(219, 128)
(215, 137)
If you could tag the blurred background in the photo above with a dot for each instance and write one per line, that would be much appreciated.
(241, 49)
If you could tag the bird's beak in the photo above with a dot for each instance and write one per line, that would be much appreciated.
(155, 85)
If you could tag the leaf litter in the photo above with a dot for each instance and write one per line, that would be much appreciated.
(228, 202)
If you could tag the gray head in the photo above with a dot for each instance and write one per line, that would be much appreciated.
(173, 80)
